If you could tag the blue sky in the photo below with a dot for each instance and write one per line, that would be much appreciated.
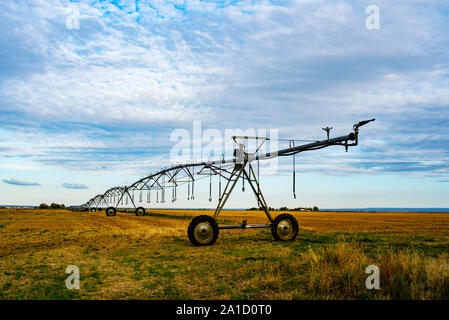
(85, 109)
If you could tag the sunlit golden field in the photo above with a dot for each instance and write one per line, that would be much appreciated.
(150, 257)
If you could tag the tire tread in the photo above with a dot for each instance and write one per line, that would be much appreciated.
(194, 222)
(284, 216)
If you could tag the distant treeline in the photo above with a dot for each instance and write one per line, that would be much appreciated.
(315, 208)
(51, 206)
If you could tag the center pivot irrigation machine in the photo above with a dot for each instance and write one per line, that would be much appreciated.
(203, 230)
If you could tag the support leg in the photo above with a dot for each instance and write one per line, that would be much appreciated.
(237, 172)
(257, 192)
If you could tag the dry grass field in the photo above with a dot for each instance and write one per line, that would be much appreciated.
(150, 257)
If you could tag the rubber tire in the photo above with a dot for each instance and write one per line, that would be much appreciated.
(100, 209)
(113, 210)
(195, 221)
(284, 216)
(93, 210)
(137, 210)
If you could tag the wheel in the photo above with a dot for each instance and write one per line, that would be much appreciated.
(100, 209)
(93, 210)
(140, 211)
(111, 211)
(203, 231)
(285, 227)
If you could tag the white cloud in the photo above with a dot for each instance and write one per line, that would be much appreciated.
(21, 183)
(75, 186)
(295, 67)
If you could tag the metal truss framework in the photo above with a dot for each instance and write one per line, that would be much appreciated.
(231, 171)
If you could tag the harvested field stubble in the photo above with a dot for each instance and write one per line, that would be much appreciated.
(150, 257)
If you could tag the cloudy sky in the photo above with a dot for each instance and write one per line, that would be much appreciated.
(88, 102)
